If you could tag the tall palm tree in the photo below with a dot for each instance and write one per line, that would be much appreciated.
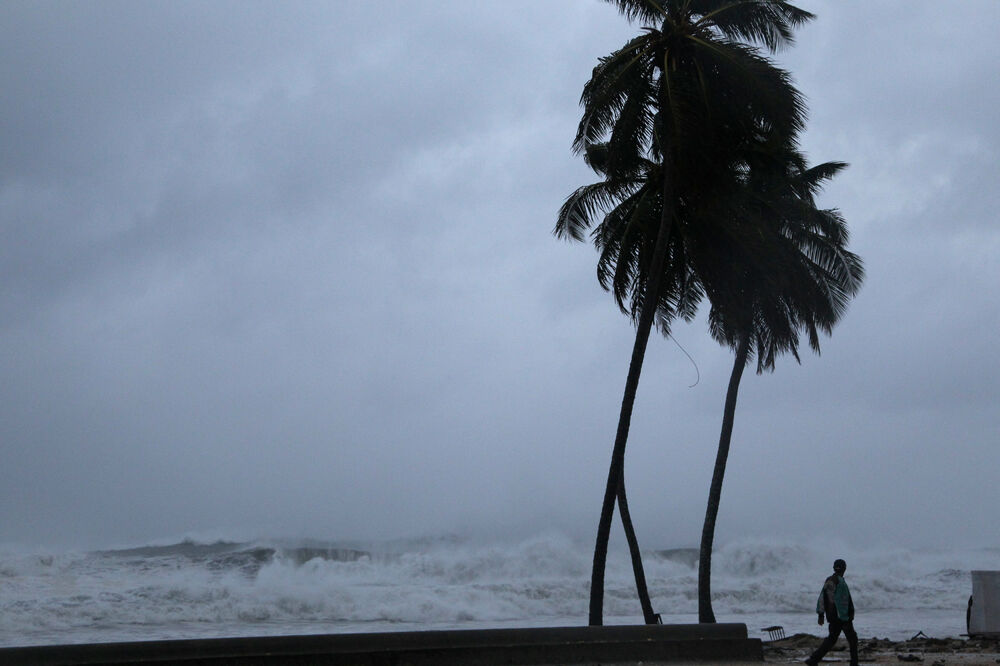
(671, 105)
(645, 218)
(785, 269)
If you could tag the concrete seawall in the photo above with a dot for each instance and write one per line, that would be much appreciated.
(487, 647)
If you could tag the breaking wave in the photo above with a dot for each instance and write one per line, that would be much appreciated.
(193, 589)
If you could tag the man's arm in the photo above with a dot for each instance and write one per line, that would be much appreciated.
(829, 593)
(826, 599)
(823, 602)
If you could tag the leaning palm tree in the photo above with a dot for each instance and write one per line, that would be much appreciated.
(668, 108)
(783, 270)
(624, 234)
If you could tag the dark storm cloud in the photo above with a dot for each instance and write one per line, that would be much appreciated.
(158, 123)
(242, 239)
(287, 270)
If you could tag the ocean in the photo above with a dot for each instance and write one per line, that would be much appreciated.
(194, 589)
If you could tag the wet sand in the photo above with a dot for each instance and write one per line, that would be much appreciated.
(926, 651)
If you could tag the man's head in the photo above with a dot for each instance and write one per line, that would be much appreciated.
(839, 567)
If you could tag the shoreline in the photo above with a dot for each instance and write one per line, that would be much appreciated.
(653, 645)
(923, 650)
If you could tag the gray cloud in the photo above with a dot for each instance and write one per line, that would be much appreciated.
(290, 272)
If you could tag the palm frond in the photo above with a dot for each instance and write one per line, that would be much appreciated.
(647, 11)
(766, 22)
(610, 84)
(580, 209)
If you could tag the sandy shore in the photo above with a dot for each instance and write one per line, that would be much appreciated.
(927, 651)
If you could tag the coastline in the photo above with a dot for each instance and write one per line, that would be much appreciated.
(673, 645)
(928, 651)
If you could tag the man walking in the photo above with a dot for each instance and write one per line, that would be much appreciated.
(835, 603)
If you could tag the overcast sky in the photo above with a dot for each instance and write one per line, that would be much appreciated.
(286, 269)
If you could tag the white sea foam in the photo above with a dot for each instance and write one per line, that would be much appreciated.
(195, 589)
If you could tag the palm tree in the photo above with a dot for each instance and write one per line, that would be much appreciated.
(596, 156)
(667, 110)
(783, 270)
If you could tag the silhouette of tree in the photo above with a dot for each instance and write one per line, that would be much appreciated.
(664, 116)
(782, 269)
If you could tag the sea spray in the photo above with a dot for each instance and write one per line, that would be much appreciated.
(199, 589)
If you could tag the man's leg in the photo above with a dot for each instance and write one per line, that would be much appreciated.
(827, 643)
(852, 641)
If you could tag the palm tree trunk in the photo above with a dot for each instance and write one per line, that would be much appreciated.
(615, 477)
(705, 613)
(633, 546)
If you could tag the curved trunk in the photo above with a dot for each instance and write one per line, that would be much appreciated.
(633, 547)
(705, 613)
(615, 477)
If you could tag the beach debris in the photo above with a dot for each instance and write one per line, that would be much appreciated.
(775, 632)
(909, 657)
